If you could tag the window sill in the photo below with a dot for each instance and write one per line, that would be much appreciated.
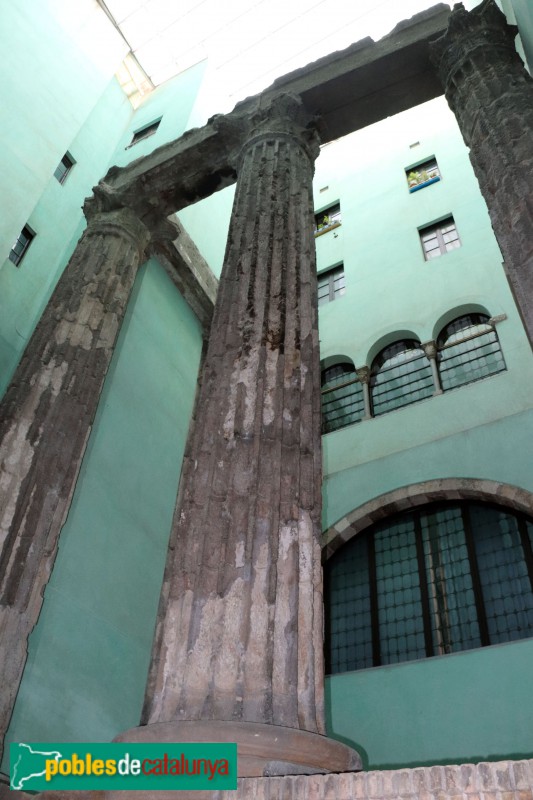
(327, 229)
(424, 184)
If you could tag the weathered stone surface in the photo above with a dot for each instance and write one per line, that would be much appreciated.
(187, 268)
(240, 627)
(370, 81)
(263, 750)
(491, 95)
(417, 494)
(350, 89)
(46, 418)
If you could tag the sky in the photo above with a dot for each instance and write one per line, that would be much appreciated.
(249, 43)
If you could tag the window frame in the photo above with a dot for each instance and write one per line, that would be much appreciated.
(428, 166)
(63, 175)
(444, 345)
(16, 256)
(331, 212)
(438, 229)
(352, 379)
(376, 370)
(144, 132)
(332, 274)
(481, 586)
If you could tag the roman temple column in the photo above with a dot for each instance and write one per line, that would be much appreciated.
(46, 419)
(491, 95)
(238, 648)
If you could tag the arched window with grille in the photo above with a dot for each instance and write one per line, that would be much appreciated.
(438, 579)
(468, 350)
(400, 375)
(342, 397)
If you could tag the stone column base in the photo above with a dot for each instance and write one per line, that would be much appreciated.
(263, 750)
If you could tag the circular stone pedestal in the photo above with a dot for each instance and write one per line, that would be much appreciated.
(263, 750)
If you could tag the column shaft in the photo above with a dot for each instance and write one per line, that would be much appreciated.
(363, 373)
(240, 627)
(491, 95)
(47, 415)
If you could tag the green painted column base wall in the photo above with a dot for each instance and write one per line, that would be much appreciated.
(464, 707)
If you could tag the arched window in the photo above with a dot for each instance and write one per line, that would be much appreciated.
(468, 350)
(434, 580)
(342, 397)
(401, 375)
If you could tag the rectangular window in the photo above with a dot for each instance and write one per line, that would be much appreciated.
(423, 174)
(439, 239)
(64, 167)
(327, 219)
(331, 285)
(18, 251)
(144, 133)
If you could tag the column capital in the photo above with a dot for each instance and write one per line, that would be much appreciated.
(106, 213)
(472, 35)
(363, 373)
(283, 116)
(430, 348)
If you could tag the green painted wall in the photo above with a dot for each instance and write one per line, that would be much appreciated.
(524, 19)
(471, 706)
(53, 110)
(57, 219)
(52, 78)
(89, 653)
(172, 102)
(391, 289)
(207, 222)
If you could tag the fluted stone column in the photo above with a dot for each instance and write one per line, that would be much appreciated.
(491, 95)
(238, 648)
(46, 418)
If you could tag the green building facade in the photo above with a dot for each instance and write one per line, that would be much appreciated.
(407, 425)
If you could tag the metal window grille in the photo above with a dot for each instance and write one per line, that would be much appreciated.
(342, 397)
(401, 375)
(440, 579)
(439, 239)
(63, 168)
(331, 285)
(22, 243)
(468, 350)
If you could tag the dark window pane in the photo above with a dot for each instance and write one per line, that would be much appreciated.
(401, 375)
(469, 350)
(342, 397)
(439, 239)
(21, 245)
(439, 579)
(401, 629)
(348, 617)
(63, 168)
(505, 583)
(145, 132)
(331, 285)
(451, 597)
